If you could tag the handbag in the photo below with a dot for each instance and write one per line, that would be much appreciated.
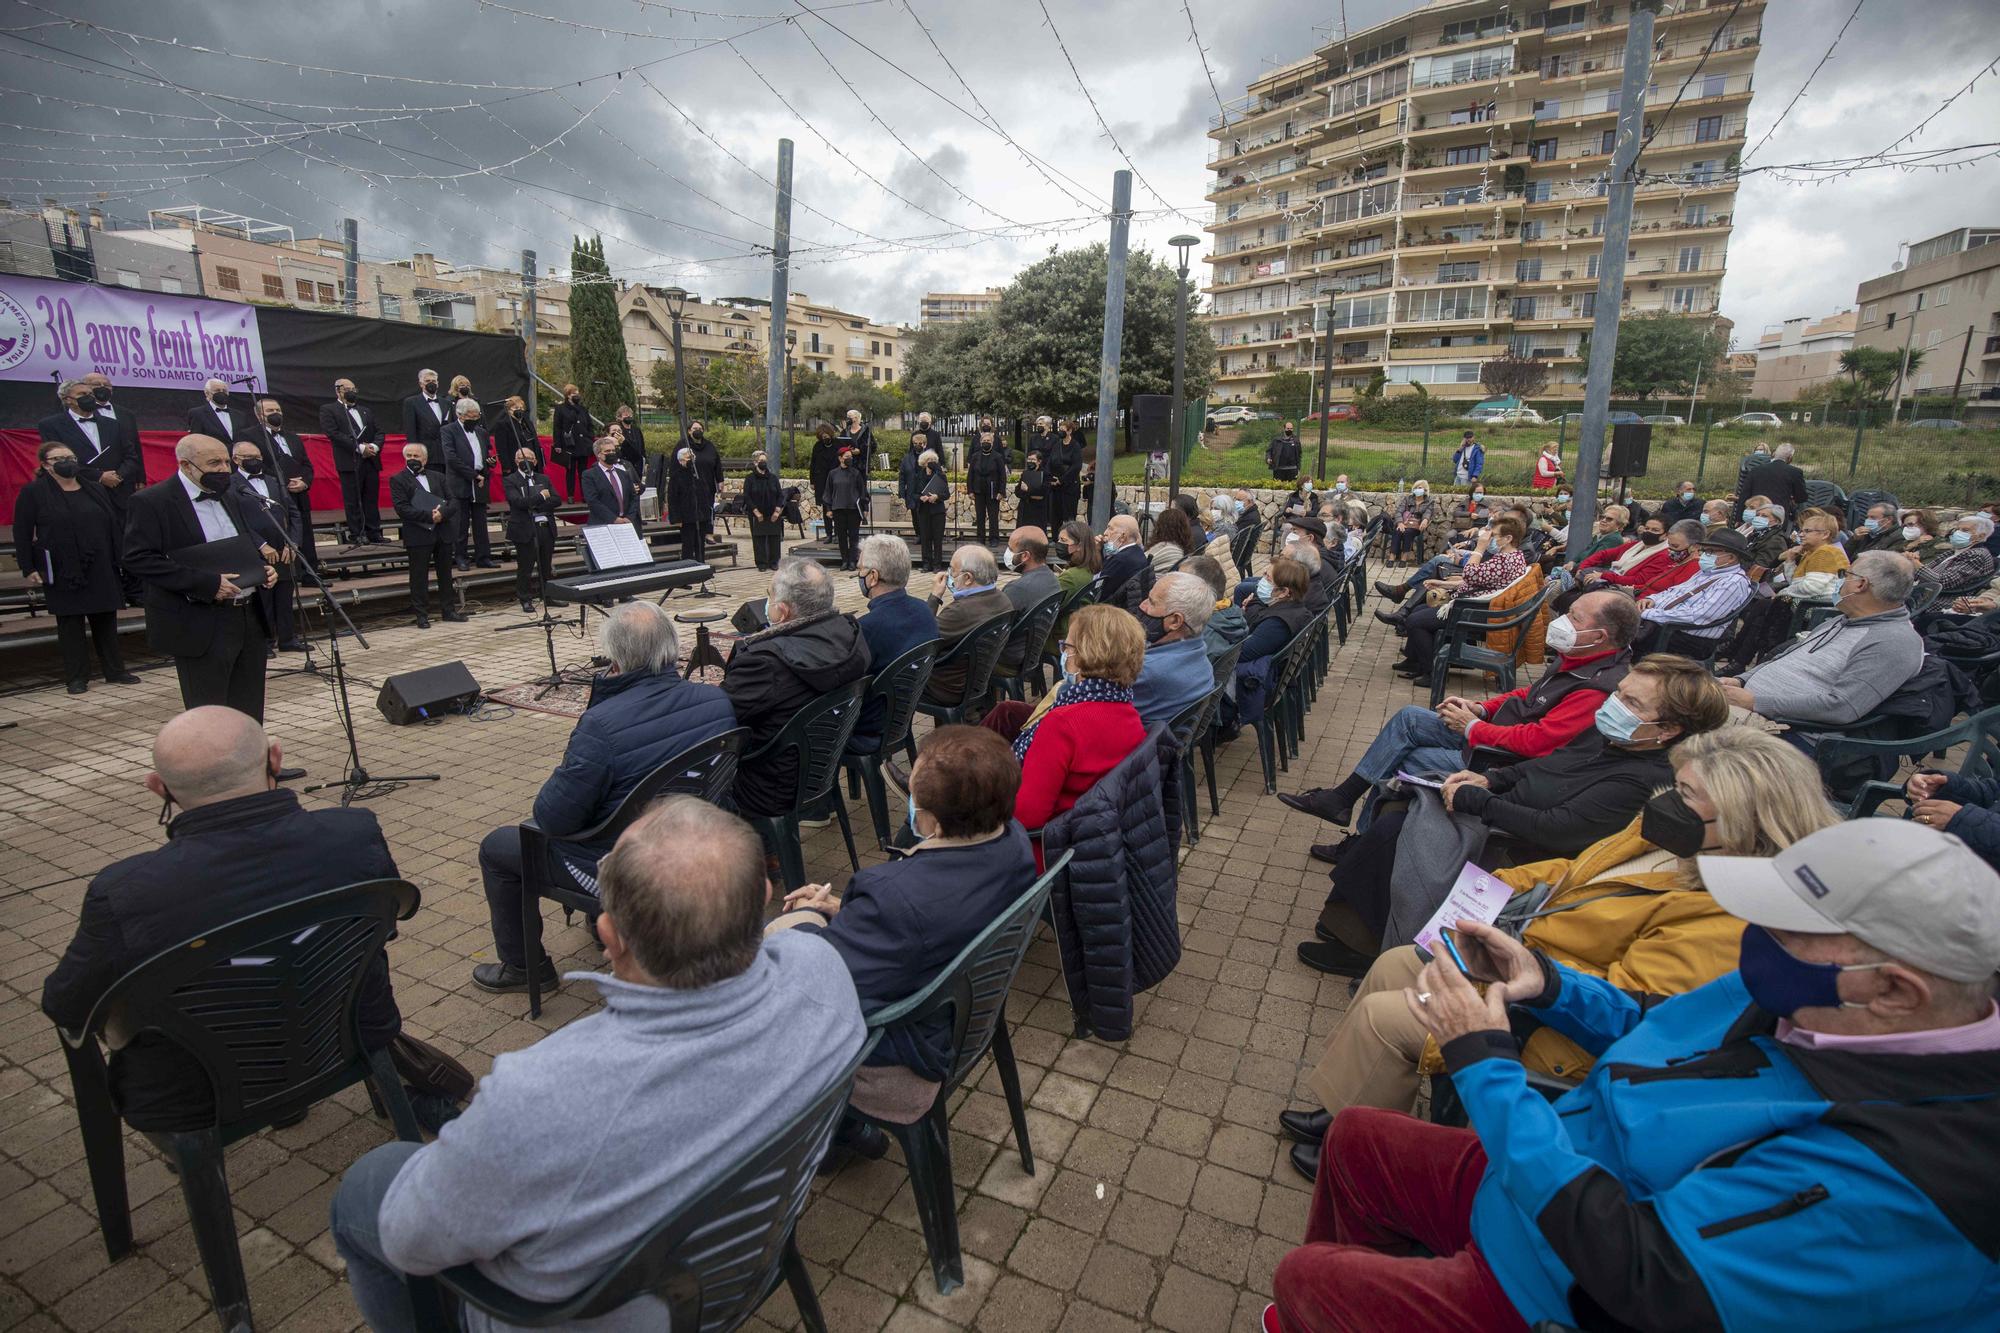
(427, 1069)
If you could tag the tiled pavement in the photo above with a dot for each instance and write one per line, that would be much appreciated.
(1161, 1199)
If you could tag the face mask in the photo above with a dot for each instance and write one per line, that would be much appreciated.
(1708, 562)
(1616, 722)
(1420, 492)
(1651, 538)
(1236, 506)
(1671, 824)
(468, 422)
(429, 389)
(862, 581)
(348, 396)
(1291, 539)
(1911, 532)
(414, 464)
(65, 467)
(1759, 522)
(219, 399)
(762, 466)
(913, 814)
(1155, 627)
(1871, 524)
(1961, 538)
(1782, 985)
(1562, 497)
(1561, 635)
(101, 393)
(627, 420)
(86, 408)
(1307, 488)
(1266, 593)
(251, 466)
(576, 398)
(1069, 676)
(1340, 488)
(215, 483)
(1111, 548)
(274, 419)
(1478, 496)
(527, 465)
(1007, 557)
(1687, 493)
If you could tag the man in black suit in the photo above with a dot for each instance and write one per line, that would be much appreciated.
(106, 445)
(427, 514)
(349, 426)
(531, 524)
(213, 629)
(285, 459)
(611, 492)
(425, 412)
(215, 417)
(467, 453)
(266, 490)
(572, 438)
(1780, 480)
(239, 845)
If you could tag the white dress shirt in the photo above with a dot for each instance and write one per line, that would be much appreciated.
(529, 476)
(216, 524)
(90, 427)
(437, 408)
(222, 415)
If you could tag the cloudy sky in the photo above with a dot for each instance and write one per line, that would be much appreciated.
(940, 144)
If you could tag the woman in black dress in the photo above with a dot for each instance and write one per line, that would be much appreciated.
(933, 493)
(684, 503)
(67, 540)
(846, 492)
(1031, 494)
(764, 504)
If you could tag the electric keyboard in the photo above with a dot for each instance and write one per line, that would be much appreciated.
(614, 584)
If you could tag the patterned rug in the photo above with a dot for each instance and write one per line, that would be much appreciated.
(568, 698)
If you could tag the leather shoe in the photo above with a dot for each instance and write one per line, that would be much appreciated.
(507, 979)
(1335, 957)
(423, 621)
(456, 617)
(78, 687)
(1320, 802)
(1328, 852)
(292, 646)
(486, 564)
(1305, 1159)
(1393, 591)
(290, 774)
(1393, 618)
(528, 606)
(124, 678)
(1305, 1126)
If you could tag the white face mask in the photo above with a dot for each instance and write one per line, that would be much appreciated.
(1561, 635)
(1007, 557)
(1911, 532)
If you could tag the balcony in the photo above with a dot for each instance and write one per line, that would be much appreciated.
(1599, 60)
(1458, 352)
(1231, 180)
(1253, 105)
(1605, 101)
(1991, 347)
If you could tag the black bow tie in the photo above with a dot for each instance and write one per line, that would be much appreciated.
(206, 496)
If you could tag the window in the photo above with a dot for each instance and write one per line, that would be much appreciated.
(275, 287)
(1364, 245)
(128, 277)
(1708, 129)
(170, 285)
(1458, 272)
(1532, 231)
(1524, 307)
(875, 373)
(392, 307)
(1702, 173)
(1943, 295)
(1567, 18)
(889, 375)
(1455, 157)
(1360, 203)
(1695, 215)
(1378, 53)
(856, 324)
(326, 294)
(1229, 213)
(1689, 260)
(227, 279)
(1714, 85)
(1528, 270)
(1538, 192)
(1542, 150)
(1464, 194)
(1586, 305)
(1607, 141)
(1686, 299)
(1471, 30)
(874, 347)
(1890, 322)
(1590, 265)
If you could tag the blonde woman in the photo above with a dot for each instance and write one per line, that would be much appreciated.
(1630, 908)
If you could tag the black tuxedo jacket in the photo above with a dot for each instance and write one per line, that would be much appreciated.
(202, 420)
(182, 614)
(287, 461)
(420, 531)
(602, 497)
(281, 508)
(338, 427)
(458, 450)
(423, 425)
(526, 497)
(116, 450)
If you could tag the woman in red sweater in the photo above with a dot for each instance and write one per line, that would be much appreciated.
(1091, 725)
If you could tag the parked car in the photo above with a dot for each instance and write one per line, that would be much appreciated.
(1611, 419)
(1502, 416)
(1754, 421)
(1231, 414)
(1665, 419)
(1267, 416)
(1936, 423)
(1338, 412)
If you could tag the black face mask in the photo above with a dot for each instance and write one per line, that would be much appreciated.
(1155, 627)
(349, 396)
(1651, 538)
(215, 483)
(527, 465)
(85, 409)
(101, 393)
(65, 467)
(275, 420)
(763, 467)
(219, 399)
(429, 389)
(624, 421)
(251, 466)
(1670, 823)
(414, 464)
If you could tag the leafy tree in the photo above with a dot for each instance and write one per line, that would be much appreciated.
(1519, 376)
(552, 364)
(1658, 352)
(1377, 385)
(660, 378)
(597, 348)
(943, 366)
(835, 395)
(1869, 373)
(734, 386)
(1287, 391)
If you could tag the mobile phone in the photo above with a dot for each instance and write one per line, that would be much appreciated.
(1445, 934)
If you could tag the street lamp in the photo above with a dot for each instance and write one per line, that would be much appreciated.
(676, 299)
(791, 343)
(1182, 243)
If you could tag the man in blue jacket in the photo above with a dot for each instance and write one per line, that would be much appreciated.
(1810, 1141)
(641, 714)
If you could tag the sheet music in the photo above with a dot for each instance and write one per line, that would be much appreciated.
(615, 546)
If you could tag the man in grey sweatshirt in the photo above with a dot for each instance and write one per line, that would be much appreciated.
(711, 1037)
(1844, 668)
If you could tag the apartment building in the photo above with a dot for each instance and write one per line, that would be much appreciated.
(829, 339)
(1944, 299)
(1434, 187)
(956, 307)
(1799, 356)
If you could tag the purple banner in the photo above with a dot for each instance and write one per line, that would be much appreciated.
(52, 331)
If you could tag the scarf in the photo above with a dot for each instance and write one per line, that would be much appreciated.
(1073, 692)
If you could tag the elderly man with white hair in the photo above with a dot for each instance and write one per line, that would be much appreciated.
(964, 597)
(1781, 481)
(1176, 671)
(639, 715)
(1965, 560)
(214, 417)
(428, 517)
(425, 412)
(466, 449)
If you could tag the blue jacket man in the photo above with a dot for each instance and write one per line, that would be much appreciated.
(639, 715)
(1176, 671)
(894, 623)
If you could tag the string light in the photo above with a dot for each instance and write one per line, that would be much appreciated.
(1808, 83)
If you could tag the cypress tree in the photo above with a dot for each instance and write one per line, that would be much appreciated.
(596, 348)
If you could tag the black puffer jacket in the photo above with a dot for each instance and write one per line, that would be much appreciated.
(773, 674)
(1563, 802)
(1114, 911)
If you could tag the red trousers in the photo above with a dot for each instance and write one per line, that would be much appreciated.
(1387, 1182)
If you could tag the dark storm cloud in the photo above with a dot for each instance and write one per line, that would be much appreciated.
(638, 172)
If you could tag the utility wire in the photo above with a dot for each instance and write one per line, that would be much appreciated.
(1084, 88)
(1686, 83)
(1809, 81)
(1195, 36)
(1943, 107)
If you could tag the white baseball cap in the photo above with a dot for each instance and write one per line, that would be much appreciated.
(1920, 896)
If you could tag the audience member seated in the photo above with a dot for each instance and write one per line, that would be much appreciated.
(1496, 561)
(1554, 806)
(1088, 723)
(1627, 565)
(1176, 672)
(1877, 531)
(1768, 537)
(1082, 561)
(894, 622)
(1277, 610)
(1125, 572)
(1629, 908)
(1812, 572)
(1221, 519)
(1607, 533)
(241, 844)
(1320, 585)
(1698, 612)
(1456, 552)
(809, 651)
(1592, 647)
(1684, 505)
(902, 922)
(711, 1037)
(640, 714)
(1964, 560)
(1173, 541)
(964, 597)
(1843, 668)
(1966, 807)
(1815, 1092)
(1033, 583)
(1715, 515)
(1227, 626)
(1413, 518)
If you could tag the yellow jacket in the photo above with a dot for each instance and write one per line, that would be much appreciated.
(1662, 940)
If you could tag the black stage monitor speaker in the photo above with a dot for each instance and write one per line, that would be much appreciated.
(751, 617)
(1152, 417)
(1631, 442)
(416, 695)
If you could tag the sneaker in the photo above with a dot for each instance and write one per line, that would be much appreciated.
(506, 978)
(1335, 957)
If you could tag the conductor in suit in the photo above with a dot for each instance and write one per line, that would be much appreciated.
(573, 437)
(213, 629)
(349, 426)
(467, 451)
(425, 413)
(266, 490)
(106, 446)
(427, 514)
(214, 417)
(609, 490)
(285, 459)
(531, 506)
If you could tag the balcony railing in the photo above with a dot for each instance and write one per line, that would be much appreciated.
(1225, 180)
(1596, 103)
(1254, 104)
(1238, 243)
(1599, 60)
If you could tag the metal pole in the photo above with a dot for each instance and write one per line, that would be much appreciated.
(1903, 371)
(1325, 391)
(528, 317)
(1611, 266)
(1562, 433)
(350, 245)
(1701, 464)
(680, 374)
(1854, 462)
(1114, 335)
(1424, 464)
(1959, 379)
(781, 272)
(1179, 420)
(1695, 392)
